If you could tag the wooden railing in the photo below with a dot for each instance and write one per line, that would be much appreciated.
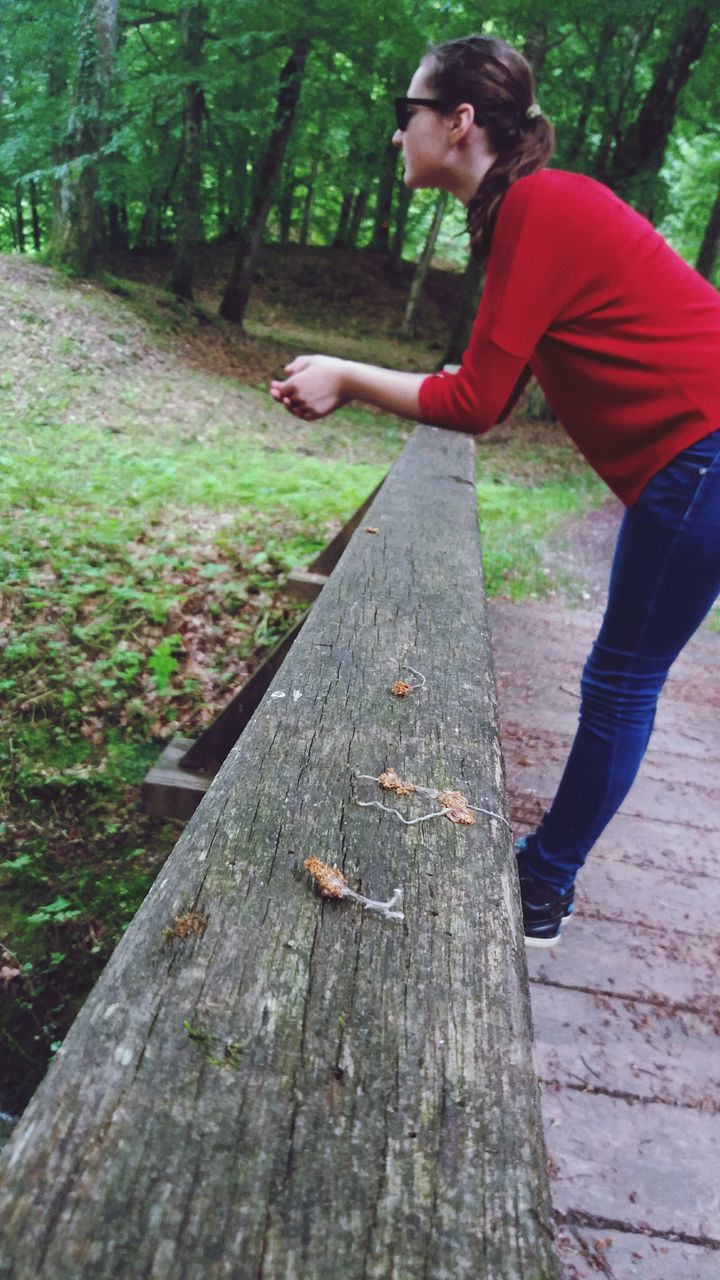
(266, 1083)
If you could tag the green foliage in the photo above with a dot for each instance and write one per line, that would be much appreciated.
(595, 67)
(163, 663)
(515, 520)
(133, 607)
(693, 173)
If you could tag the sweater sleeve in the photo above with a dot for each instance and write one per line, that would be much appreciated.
(480, 394)
(527, 285)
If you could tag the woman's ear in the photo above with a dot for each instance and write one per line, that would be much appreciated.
(462, 120)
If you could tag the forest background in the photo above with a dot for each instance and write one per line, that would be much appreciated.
(190, 195)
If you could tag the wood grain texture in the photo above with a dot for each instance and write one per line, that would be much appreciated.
(304, 1091)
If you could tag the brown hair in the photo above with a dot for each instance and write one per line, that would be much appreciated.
(498, 82)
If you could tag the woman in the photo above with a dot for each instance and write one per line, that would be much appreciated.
(624, 339)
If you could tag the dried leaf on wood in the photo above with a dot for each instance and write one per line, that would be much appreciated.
(401, 688)
(332, 884)
(457, 806)
(182, 926)
(330, 880)
(390, 781)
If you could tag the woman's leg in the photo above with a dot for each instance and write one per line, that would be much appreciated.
(665, 578)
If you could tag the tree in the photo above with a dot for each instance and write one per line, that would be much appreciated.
(165, 138)
(237, 291)
(188, 210)
(76, 225)
(423, 266)
(638, 157)
(402, 208)
(592, 85)
(470, 294)
(383, 206)
(710, 248)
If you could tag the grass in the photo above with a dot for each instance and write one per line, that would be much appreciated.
(515, 519)
(154, 498)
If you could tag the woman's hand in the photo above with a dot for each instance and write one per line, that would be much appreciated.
(313, 389)
(319, 385)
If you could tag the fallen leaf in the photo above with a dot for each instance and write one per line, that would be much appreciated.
(390, 781)
(330, 880)
(191, 922)
(457, 806)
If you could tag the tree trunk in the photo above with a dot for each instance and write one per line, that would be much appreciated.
(606, 35)
(343, 229)
(638, 158)
(35, 215)
(402, 205)
(358, 214)
(188, 213)
(285, 209)
(19, 219)
(76, 224)
(383, 207)
(237, 292)
(423, 266)
(165, 198)
(145, 230)
(117, 229)
(221, 178)
(710, 247)
(537, 45)
(636, 42)
(239, 183)
(469, 301)
(307, 203)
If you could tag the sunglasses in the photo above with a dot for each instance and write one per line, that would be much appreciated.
(403, 114)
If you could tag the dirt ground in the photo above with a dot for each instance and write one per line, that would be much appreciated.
(581, 551)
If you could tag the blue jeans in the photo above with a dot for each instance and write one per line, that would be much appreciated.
(665, 578)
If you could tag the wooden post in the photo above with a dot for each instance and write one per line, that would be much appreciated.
(264, 1084)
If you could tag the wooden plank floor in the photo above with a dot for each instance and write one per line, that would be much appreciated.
(626, 1008)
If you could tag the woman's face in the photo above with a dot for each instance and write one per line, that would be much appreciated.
(426, 141)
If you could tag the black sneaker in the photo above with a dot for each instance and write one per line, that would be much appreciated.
(544, 910)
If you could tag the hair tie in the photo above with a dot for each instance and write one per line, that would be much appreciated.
(533, 111)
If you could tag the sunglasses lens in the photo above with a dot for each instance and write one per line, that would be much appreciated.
(401, 114)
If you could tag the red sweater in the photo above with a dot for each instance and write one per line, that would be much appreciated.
(622, 335)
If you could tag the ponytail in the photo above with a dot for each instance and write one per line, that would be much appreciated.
(498, 82)
(531, 152)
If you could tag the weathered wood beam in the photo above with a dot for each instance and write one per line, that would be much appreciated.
(293, 1088)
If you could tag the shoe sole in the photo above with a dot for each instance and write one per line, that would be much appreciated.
(548, 942)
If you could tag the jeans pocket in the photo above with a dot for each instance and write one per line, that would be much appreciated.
(666, 497)
(669, 494)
